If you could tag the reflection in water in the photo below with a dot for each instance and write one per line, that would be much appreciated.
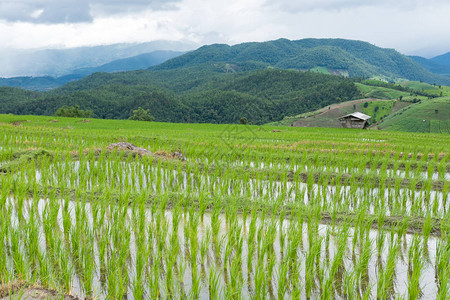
(163, 179)
(181, 252)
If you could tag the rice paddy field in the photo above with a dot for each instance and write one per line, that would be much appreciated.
(223, 211)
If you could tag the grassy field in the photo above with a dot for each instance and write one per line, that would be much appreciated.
(428, 116)
(436, 90)
(378, 109)
(405, 115)
(386, 93)
(328, 116)
(322, 70)
(207, 211)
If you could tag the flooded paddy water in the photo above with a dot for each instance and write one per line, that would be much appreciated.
(194, 182)
(181, 249)
(303, 215)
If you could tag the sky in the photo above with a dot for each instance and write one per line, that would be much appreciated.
(409, 26)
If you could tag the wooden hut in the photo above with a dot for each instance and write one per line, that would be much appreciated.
(354, 120)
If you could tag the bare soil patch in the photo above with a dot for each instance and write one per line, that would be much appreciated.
(25, 291)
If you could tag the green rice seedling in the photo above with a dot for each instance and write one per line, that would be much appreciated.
(260, 283)
(415, 267)
(282, 279)
(361, 268)
(385, 281)
(442, 269)
(214, 284)
(89, 209)
(427, 227)
(196, 285)
(153, 281)
(234, 288)
(311, 257)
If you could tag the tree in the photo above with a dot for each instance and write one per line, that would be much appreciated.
(141, 114)
(243, 120)
(73, 112)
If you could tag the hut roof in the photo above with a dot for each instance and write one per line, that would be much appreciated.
(358, 115)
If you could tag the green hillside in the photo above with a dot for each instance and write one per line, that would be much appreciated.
(383, 100)
(427, 116)
(380, 92)
(433, 66)
(328, 116)
(436, 90)
(443, 59)
(11, 97)
(196, 95)
(222, 84)
(356, 58)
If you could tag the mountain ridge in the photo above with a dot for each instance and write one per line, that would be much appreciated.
(443, 59)
(44, 83)
(60, 62)
(359, 58)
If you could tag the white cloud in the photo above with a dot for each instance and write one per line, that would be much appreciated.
(73, 11)
(342, 5)
(403, 25)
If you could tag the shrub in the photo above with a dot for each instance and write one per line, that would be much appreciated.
(73, 112)
(141, 114)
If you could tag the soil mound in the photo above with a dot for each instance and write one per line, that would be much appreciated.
(123, 146)
(25, 291)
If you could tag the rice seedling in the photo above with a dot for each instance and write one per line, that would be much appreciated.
(310, 214)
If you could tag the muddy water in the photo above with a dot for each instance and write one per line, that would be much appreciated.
(203, 230)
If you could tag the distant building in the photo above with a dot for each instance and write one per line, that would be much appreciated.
(354, 120)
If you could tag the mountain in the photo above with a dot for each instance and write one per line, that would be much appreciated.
(60, 62)
(221, 83)
(14, 97)
(353, 58)
(432, 66)
(44, 83)
(443, 59)
(142, 61)
(214, 97)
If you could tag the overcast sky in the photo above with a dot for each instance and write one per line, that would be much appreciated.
(410, 26)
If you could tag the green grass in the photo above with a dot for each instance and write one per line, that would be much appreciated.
(417, 85)
(427, 116)
(378, 110)
(322, 70)
(328, 116)
(385, 93)
(437, 90)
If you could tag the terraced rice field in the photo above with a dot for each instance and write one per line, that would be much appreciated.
(244, 212)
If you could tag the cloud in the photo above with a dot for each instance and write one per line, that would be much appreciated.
(405, 25)
(339, 5)
(74, 11)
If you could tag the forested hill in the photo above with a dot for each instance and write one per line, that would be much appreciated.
(263, 82)
(432, 65)
(339, 56)
(200, 95)
(443, 59)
